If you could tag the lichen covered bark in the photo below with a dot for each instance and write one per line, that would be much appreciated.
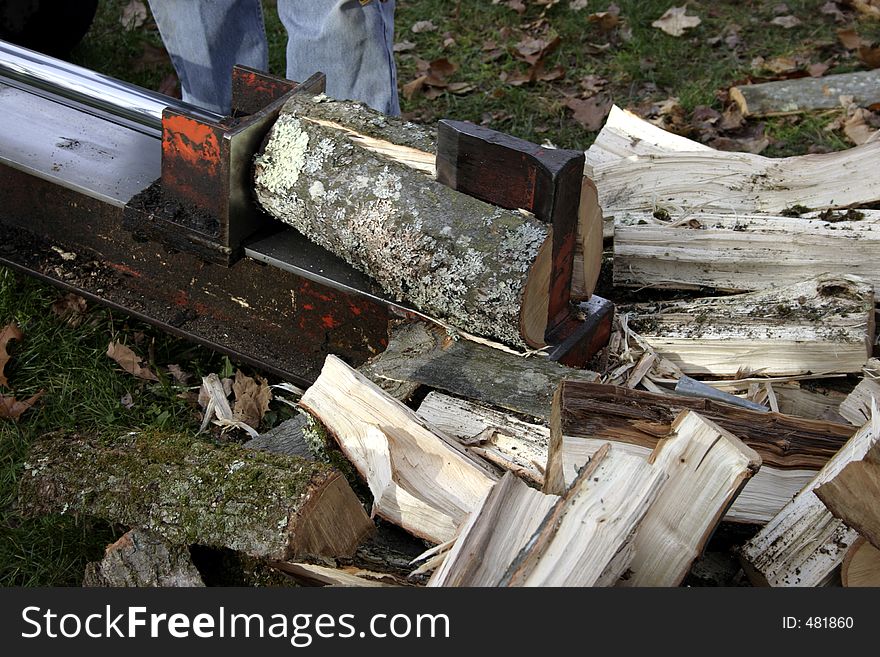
(190, 492)
(452, 256)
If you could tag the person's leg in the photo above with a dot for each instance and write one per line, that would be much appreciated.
(349, 42)
(205, 39)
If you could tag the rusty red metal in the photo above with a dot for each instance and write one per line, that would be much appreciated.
(252, 90)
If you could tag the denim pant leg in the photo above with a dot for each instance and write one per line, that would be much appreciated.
(349, 42)
(205, 38)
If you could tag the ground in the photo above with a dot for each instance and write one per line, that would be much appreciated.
(543, 70)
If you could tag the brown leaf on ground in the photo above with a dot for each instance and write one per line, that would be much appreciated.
(592, 84)
(533, 51)
(7, 333)
(517, 5)
(12, 409)
(403, 46)
(867, 7)
(460, 88)
(178, 374)
(151, 57)
(606, 20)
(595, 48)
(748, 139)
(70, 308)
(134, 14)
(732, 119)
(591, 112)
(442, 68)
(858, 126)
(831, 9)
(577, 5)
(675, 21)
(850, 39)
(870, 55)
(252, 397)
(787, 22)
(745, 145)
(413, 87)
(129, 361)
(817, 70)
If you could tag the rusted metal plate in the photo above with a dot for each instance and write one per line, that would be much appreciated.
(264, 315)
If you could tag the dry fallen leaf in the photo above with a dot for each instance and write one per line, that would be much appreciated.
(12, 409)
(591, 112)
(7, 333)
(817, 70)
(857, 127)
(252, 397)
(129, 361)
(787, 22)
(134, 14)
(831, 9)
(870, 55)
(867, 7)
(606, 20)
(675, 21)
(577, 5)
(178, 374)
(71, 308)
(423, 26)
(849, 38)
(403, 46)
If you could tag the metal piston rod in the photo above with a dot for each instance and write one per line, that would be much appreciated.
(89, 91)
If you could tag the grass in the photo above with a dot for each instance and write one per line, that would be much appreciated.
(83, 389)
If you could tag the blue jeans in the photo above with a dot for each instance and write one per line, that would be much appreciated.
(349, 42)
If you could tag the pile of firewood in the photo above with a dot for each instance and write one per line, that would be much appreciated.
(507, 469)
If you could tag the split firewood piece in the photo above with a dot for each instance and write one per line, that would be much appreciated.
(804, 543)
(807, 94)
(854, 495)
(498, 529)
(687, 249)
(142, 558)
(420, 480)
(823, 325)
(586, 415)
(626, 135)
(189, 491)
(856, 408)
(861, 566)
(587, 538)
(522, 444)
(668, 172)
(341, 174)
(418, 353)
(707, 468)
(307, 574)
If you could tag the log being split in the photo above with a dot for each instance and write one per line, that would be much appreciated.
(823, 325)
(342, 175)
(190, 492)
